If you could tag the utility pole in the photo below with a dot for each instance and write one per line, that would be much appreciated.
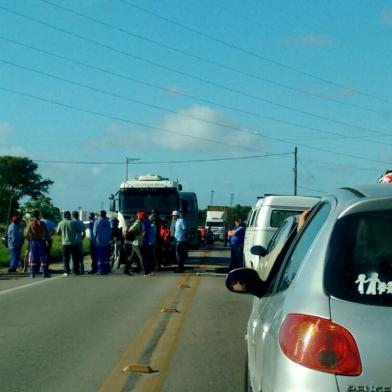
(127, 160)
(231, 199)
(295, 170)
(212, 198)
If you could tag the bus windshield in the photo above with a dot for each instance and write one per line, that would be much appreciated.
(164, 200)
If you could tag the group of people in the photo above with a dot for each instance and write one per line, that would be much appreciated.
(150, 243)
(38, 233)
(147, 243)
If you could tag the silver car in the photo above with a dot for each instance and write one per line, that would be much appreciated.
(321, 319)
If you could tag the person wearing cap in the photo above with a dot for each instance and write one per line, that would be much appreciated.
(67, 229)
(180, 240)
(102, 232)
(15, 241)
(37, 233)
(137, 233)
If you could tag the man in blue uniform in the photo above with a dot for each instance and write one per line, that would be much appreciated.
(237, 236)
(180, 238)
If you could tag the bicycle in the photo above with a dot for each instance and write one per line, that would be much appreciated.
(115, 254)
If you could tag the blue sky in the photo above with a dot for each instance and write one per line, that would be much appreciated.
(185, 86)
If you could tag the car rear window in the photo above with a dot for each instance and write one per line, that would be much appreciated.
(278, 216)
(359, 259)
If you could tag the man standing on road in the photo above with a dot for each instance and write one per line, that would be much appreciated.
(180, 241)
(136, 232)
(15, 241)
(37, 234)
(237, 236)
(80, 234)
(50, 225)
(102, 232)
(67, 229)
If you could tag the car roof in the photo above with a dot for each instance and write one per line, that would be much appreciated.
(364, 191)
(287, 201)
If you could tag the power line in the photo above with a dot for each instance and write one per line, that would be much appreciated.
(168, 90)
(208, 61)
(212, 159)
(157, 107)
(161, 162)
(247, 51)
(312, 189)
(112, 117)
(338, 165)
(206, 81)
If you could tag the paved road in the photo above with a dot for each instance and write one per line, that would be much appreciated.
(80, 333)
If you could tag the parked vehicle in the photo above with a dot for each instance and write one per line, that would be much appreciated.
(279, 241)
(216, 220)
(322, 317)
(265, 218)
(148, 192)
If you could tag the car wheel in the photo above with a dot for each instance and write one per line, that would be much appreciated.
(247, 384)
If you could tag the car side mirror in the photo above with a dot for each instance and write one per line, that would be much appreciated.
(258, 250)
(246, 281)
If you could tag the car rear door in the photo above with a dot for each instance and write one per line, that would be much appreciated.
(358, 279)
(370, 326)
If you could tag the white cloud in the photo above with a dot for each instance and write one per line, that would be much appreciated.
(7, 148)
(192, 129)
(386, 16)
(311, 41)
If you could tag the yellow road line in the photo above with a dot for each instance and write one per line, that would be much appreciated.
(117, 379)
(165, 350)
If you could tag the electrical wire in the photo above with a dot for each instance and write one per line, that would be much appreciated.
(181, 93)
(186, 74)
(208, 61)
(247, 51)
(160, 162)
(157, 107)
(105, 115)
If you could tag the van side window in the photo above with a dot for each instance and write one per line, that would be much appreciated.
(298, 253)
(255, 217)
(278, 216)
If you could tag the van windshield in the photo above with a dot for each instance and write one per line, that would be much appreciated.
(359, 259)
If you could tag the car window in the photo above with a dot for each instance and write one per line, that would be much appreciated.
(278, 216)
(256, 217)
(250, 218)
(282, 231)
(359, 259)
(253, 218)
(302, 246)
(276, 236)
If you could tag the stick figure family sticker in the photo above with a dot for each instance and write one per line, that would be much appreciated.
(374, 285)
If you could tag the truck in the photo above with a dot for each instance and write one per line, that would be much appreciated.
(148, 192)
(216, 220)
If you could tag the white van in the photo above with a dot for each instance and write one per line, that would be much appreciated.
(266, 217)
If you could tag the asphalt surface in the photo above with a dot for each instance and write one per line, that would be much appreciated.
(78, 333)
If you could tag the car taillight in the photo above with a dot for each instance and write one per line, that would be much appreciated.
(319, 344)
